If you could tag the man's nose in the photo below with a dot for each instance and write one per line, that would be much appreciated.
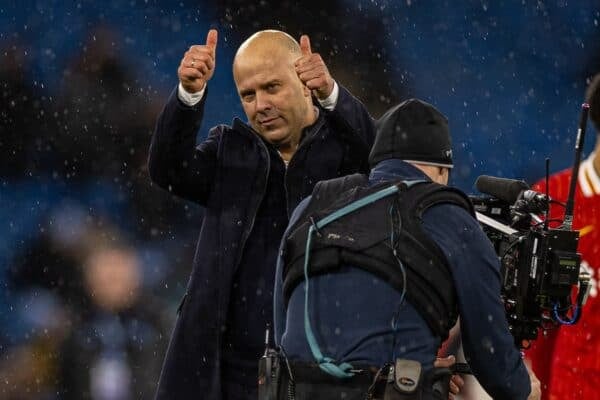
(263, 102)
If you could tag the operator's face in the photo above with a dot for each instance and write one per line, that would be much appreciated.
(273, 97)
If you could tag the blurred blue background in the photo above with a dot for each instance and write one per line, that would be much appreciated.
(93, 258)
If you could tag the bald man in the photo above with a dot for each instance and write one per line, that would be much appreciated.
(301, 127)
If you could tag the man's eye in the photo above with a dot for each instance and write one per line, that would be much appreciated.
(272, 87)
(248, 98)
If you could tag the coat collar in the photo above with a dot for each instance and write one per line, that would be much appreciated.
(392, 169)
(240, 126)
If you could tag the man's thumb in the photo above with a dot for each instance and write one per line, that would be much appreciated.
(305, 45)
(211, 39)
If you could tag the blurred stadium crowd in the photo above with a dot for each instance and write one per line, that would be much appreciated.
(94, 259)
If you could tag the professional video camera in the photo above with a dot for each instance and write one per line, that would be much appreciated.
(540, 266)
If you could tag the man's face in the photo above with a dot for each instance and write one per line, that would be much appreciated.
(273, 97)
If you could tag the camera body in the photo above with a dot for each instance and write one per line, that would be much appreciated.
(539, 266)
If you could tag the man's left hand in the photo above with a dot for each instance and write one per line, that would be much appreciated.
(313, 72)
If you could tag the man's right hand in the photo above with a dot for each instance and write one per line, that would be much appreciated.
(198, 64)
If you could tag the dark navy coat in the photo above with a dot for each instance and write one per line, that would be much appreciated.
(228, 174)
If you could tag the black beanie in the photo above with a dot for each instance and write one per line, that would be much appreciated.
(413, 131)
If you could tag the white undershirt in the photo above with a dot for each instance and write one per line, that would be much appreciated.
(191, 99)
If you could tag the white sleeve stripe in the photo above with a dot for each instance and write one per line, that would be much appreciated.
(592, 174)
(584, 183)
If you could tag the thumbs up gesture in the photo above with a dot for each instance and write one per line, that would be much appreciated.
(198, 64)
(312, 71)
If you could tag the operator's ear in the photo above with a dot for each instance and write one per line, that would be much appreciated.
(443, 175)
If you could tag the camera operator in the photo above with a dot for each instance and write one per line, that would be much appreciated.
(567, 359)
(384, 283)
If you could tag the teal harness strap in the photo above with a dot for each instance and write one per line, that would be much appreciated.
(327, 364)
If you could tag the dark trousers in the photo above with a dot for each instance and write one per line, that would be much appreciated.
(239, 391)
(239, 383)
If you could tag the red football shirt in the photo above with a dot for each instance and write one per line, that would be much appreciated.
(567, 361)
